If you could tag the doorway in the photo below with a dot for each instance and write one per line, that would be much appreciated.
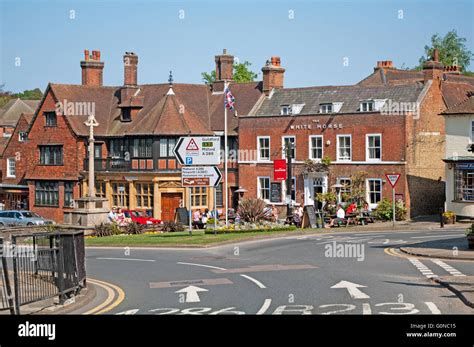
(169, 203)
(313, 185)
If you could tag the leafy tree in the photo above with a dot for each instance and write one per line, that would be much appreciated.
(452, 50)
(33, 94)
(242, 73)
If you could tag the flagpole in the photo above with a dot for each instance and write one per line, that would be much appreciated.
(225, 162)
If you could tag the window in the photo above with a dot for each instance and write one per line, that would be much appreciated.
(46, 193)
(144, 195)
(50, 119)
(100, 189)
(263, 150)
(315, 147)
(375, 190)
(6, 134)
(346, 188)
(285, 110)
(68, 194)
(367, 106)
(289, 141)
(22, 136)
(199, 196)
(11, 167)
(219, 196)
(118, 148)
(374, 147)
(263, 184)
(51, 155)
(325, 108)
(344, 148)
(471, 135)
(126, 115)
(463, 183)
(142, 148)
(166, 147)
(120, 194)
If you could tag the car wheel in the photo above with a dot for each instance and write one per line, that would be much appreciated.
(29, 224)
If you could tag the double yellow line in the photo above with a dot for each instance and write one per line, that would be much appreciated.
(115, 295)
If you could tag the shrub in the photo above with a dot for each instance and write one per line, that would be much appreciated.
(172, 227)
(252, 210)
(134, 228)
(102, 230)
(384, 210)
(470, 230)
(50, 228)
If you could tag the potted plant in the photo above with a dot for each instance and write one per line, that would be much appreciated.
(470, 236)
(449, 217)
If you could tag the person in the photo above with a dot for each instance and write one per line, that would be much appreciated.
(205, 217)
(298, 216)
(120, 218)
(340, 216)
(112, 216)
(274, 213)
(352, 208)
(197, 219)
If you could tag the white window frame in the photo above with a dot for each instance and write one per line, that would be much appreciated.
(373, 205)
(19, 136)
(310, 147)
(323, 108)
(337, 148)
(9, 167)
(259, 187)
(471, 132)
(367, 152)
(362, 103)
(288, 110)
(283, 154)
(259, 158)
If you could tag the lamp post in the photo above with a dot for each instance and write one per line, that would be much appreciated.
(289, 181)
(91, 123)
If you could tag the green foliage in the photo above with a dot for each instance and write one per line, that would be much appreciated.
(134, 228)
(329, 197)
(326, 161)
(212, 220)
(358, 187)
(105, 229)
(452, 50)
(33, 94)
(384, 210)
(172, 227)
(470, 230)
(50, 228)
(241, 231)
(252, 210)
(242, 73)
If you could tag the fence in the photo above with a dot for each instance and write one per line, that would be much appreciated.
(45, 265)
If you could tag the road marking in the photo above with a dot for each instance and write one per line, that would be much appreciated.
(432, 307)
(366, 309)
(353, 290)
(422, 268)
(268, 267)
(258, 283)
(427, 237)
(265, 306)
(128, 312)
(448, 268)
(202, 265)
(184, 283)
(192, 293)
(132, 259)
(109, 303)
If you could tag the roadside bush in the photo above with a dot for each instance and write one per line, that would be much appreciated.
(384, 210)
(252, 210)
(102, 230)
(245, 229)
(172, 227)
(134, 228)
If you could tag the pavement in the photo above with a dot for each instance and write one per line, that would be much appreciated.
(332, 272)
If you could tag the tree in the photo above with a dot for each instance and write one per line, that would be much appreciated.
(6, 96)
(242, 73)
(452, 51)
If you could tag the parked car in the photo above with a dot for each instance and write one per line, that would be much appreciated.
(141, 217)
(14, 218)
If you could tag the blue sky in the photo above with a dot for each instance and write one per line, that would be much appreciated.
(312, 45)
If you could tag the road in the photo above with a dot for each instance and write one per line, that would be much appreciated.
(337, 273)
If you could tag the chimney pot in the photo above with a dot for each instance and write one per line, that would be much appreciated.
(92, 69)
(86, 54)
(130, 60)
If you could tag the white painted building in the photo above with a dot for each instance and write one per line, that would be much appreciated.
(459, 158)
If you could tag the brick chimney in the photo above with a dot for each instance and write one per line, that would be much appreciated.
(130, 63)
(452, 69)
(433, 69)
(92, 69)
(273, 75)
(224, 66)
(384, 64)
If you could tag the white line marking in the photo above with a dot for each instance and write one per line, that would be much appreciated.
(366, 309)
(353, 289)
(265, 306)
(259, 284)
(425, 271)
(427, 237)
(432, 307)
(202, 265)
(132, 259)
(448, 268)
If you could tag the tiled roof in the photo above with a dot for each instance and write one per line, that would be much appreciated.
(391, 77)
(10, 113)
(464, 107)
(350, 96)
(455, 92)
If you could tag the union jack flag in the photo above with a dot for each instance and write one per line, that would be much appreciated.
(229, 99)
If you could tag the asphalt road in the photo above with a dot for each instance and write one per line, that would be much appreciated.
(340, 273)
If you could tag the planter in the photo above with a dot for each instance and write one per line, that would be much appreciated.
(450, 220)
(470, 241)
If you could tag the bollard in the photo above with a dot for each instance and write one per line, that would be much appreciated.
(441, 219)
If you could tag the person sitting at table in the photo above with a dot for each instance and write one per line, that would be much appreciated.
(340, 217)
(352, 208)
(367, 212)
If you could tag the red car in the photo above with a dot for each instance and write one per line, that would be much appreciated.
(141, 217)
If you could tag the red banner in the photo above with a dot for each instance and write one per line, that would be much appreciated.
(279, 169)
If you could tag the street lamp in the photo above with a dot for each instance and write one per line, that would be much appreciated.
(289, 181)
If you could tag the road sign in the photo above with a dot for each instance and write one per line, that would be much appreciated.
(198, 150)
(200, 176)
(392, 179)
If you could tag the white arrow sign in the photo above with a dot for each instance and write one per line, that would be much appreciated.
(352, 289)
(200, 176)
(192, 293)
(198, 150)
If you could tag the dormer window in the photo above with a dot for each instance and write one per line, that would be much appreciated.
(296, 108)
(285, 110)
(325, 108)
(367, 106)
(289, 110)
(126, 115)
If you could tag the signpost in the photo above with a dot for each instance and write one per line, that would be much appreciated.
(198, 150)
(200, 176)
(393, 179)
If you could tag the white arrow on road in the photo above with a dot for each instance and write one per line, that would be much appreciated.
(353, 290)
(192, 293)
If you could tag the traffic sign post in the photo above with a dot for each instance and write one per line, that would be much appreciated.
(198, 150)
(393, 179)
(200, 176)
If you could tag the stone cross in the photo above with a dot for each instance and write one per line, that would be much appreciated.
(91, 123)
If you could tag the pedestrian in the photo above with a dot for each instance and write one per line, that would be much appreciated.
(112, 216)
(340, 217)
(197, 219)
(205, 217)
